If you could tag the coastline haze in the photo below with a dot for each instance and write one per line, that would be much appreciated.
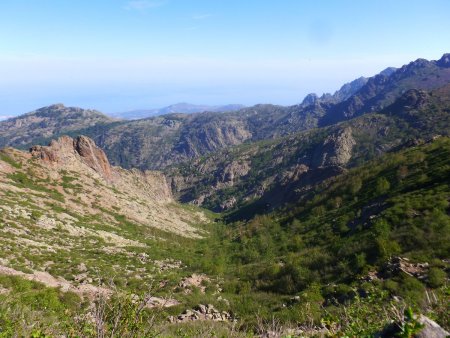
(116, 56)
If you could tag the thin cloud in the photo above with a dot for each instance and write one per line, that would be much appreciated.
(141, 5)
(202, 16)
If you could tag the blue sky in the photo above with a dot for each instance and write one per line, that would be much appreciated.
(121, 55)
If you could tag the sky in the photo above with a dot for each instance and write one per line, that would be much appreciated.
(120, 55)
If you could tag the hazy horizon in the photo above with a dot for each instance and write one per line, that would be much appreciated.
(116, 56)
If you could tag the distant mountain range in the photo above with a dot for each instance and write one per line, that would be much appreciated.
(184, 108)
(170, 139)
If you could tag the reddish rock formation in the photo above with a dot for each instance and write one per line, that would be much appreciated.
(65, 148)
(92, 155)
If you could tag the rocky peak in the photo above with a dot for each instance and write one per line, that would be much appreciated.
(53, 110)
(388, 71)
(310, 99)
(444, 61)
(412, 67)
(349, 89)
(56, 106)
(65, 150)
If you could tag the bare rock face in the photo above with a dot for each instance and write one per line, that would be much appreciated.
(92, 155)
(444, 61)
(336, 150)
(430, 329)
(65, 149)
(310, 99)
(57, 151)
(293, 174)
(233, 171)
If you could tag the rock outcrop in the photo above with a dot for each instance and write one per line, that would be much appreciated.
(75, 165)
(65, 149)
(336, 149)
(444, 61)
(202, 312)
(402, 264)
(92, 155)
(233, 171)
(310, 99)
(430, 329)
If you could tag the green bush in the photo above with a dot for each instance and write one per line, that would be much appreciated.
(382, 186)
(6, 158)
(436, 277)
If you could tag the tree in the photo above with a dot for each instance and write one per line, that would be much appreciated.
(382, 186)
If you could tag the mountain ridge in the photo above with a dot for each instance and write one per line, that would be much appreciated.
(182, 107)
(269, 173)
(158, 142)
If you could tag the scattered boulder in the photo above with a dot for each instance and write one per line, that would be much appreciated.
(167, 264)
(158, 302)
(202, 312)
(82, 267)
(431, 329)
(371, 276)
(402, 264)
(195, 280)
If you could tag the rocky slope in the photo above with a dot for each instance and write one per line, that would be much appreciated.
(373, 237)
(158, 142)
(65, 212)
(346, 91)
(270, 173)
(383, 89)
(47, 122)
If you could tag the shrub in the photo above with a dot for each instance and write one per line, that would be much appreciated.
(382, 186)
(436, 277)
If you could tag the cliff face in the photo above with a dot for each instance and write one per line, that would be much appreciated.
(233, 177)
(66, 151)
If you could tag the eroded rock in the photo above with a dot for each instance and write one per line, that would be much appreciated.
(336, 150)
(65, 149)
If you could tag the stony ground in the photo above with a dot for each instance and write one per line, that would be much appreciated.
(63, 223)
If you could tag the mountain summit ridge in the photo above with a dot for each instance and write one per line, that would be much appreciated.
(161, 141)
